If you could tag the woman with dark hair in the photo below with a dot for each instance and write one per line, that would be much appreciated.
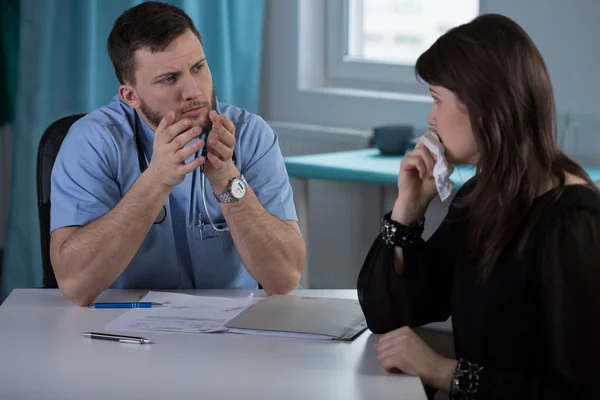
(516, 261)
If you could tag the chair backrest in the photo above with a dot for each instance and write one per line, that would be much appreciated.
(47, 151)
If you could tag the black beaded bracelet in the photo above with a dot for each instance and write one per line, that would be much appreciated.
(465, 381)
(394, 233)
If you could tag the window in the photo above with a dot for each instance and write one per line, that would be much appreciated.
(380, 40)
(398, 31)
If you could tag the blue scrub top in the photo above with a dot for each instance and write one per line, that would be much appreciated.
(97, 164)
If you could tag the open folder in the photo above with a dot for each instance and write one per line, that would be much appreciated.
(302, 317)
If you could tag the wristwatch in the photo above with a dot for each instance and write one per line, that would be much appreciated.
(236, 190)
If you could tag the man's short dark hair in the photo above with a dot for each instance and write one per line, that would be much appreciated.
(151, 26)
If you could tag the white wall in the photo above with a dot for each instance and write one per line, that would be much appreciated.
(566, 32)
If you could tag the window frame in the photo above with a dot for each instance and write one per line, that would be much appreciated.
(352, 72)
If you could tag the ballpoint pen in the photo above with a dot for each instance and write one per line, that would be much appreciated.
(141, 304)
(201, 226)
(116, 338)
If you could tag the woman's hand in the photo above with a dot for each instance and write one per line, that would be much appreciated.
(416, 185)
(404, 350)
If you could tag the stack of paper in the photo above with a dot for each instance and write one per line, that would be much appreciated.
(287, 316)
(304, 317)
(181, 313)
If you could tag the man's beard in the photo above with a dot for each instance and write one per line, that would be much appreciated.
(154, 116)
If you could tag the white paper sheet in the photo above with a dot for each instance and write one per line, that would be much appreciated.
(293, 335)
(181, 313)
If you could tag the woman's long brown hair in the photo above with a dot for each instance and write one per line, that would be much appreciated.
(495, 70)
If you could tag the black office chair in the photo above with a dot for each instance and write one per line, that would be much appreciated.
(47, 151)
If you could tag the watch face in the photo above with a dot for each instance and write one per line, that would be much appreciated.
(238, 188)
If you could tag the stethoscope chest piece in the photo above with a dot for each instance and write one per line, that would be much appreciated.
(161, 215)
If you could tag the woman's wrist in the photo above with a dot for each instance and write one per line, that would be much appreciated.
(442, 374)
(405, 213)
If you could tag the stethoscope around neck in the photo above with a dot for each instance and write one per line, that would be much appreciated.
(143, 164)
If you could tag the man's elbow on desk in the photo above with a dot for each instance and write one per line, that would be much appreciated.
(74, 293)
(282, 265)
(284, 285)
(288, 279)
(75, 288)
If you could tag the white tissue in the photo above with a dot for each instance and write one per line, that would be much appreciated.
(441, 169)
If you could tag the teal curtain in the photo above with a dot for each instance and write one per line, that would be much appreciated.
(64, 70)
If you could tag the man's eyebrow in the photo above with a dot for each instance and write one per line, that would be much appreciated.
(166, 74)
(176, 73)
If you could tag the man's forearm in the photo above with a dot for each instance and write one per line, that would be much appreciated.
(271, 249)
(94, 256)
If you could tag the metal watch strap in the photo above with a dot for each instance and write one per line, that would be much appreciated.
(226, 196)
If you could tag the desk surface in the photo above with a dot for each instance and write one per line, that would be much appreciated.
(42, 355)
(369, 166)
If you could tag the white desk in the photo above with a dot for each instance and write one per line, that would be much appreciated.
(42, 355)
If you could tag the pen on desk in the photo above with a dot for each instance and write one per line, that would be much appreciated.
(125, 305)
(116, 338)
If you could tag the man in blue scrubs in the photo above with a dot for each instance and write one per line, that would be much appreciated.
(128, 209)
